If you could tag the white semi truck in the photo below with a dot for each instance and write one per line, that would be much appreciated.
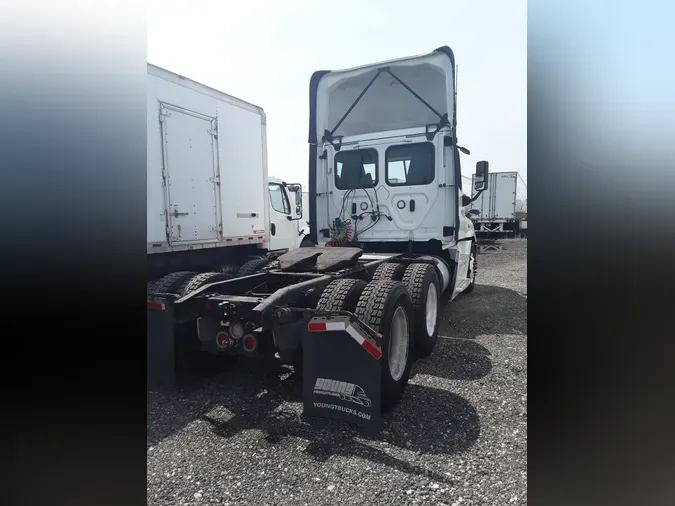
(502, 210)
(388, 213)
(210, 202)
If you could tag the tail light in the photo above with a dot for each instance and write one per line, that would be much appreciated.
(250, 343)
(222, 340)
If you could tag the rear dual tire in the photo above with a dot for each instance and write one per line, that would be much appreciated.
(171, 282)
(386, 307)
(424, 287)
(341, 295)
(389, 272)
(195, 282)
(253, 266)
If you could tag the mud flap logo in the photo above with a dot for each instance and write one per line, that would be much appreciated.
(344, 391)
(337, 407)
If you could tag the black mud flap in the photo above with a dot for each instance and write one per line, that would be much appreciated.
(342, 372)
(161, 358)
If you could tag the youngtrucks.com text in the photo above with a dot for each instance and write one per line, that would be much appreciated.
(351, 411)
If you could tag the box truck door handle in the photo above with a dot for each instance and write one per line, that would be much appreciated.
(412, 206)
(273, 228)
(177, 214)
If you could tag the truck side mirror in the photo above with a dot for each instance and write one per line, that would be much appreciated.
(481, 180)
(296, 189)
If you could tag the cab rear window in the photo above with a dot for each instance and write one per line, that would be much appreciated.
(410, 164)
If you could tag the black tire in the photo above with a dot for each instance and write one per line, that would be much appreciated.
(389, 271)
(306, 243)
(253, 266)
(471, 274)
(195, 282)
(417, 279)
(229, 269)
(377, 304)
(171, 282)
(341, 295)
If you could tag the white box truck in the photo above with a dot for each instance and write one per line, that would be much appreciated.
(210, 204)
(387, 210)
(502, 210)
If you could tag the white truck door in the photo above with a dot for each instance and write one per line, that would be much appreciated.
(283, 232)
(192, 176)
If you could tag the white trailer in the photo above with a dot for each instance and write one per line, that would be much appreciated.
(502, 209)
(209, 199)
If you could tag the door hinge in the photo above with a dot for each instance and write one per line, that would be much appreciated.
(215, 179)
(164, 114)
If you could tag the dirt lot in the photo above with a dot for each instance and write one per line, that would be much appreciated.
(458, 437)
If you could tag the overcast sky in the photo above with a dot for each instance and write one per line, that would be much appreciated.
(264, 52)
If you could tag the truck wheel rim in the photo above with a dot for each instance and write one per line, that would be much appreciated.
(432, 309)
(398, 344)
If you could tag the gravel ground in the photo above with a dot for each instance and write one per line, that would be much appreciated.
(458, 437)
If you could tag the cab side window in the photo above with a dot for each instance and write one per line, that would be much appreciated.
(279, 199)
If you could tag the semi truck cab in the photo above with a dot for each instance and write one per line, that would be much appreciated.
(386, 177)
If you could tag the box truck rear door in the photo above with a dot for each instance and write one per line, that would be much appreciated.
(192, 176)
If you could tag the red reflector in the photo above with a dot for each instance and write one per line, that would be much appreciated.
(317, 327)
(228, 240)
(157, 245)
(156, 306)
(222, 339)
(240, 238)
(259, 237)
(249, 343)
(372, 350)
(250, 238)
